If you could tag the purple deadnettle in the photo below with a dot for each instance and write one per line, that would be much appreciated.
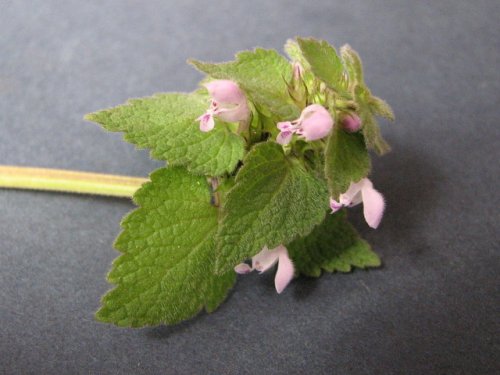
(314, 123)
(227, 102)
(351, 123)
(362, 191)
(268, 258)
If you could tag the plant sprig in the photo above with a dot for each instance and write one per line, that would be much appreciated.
(261, 161)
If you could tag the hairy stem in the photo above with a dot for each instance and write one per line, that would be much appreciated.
(68, 181)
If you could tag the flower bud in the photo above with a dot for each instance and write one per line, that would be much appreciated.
(298, 71)
(296, 87)
(351, 123)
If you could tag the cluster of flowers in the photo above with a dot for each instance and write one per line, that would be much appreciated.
(228, 103)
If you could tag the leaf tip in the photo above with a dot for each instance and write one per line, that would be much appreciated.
(192, 61)
(96, 117)
(90, 116)
(382, 148)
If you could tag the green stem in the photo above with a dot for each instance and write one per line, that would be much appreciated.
(68, 181)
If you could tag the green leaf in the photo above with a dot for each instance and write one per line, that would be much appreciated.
(369, 105)
(370, 127)
(346, 160)
(353, 65)
(380, 107)
(262, 74)
(332, 246)
(324, 62)
(371, 131)
(165, 273)
(294, 52)
(166, 123)
(273, 201)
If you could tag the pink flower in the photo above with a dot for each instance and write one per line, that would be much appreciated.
(362, 191)
(351, 123)
(268, 258)
(314, 123)
(228, 103)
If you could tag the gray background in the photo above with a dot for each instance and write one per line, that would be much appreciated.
(430, 309)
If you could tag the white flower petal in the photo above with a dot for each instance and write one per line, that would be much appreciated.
(285, 271)
(373, 205)
(264, 260)
(207, 122)
(352, 196)
(243, 268)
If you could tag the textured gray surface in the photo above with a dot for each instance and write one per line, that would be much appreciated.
(430, 309)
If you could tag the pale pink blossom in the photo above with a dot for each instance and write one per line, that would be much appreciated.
(268, 258)
(227, 102)
(314, 123)
(362, 191)
(351, 123)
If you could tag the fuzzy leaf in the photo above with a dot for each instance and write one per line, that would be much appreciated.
(369, 105)
(294, 52)
(165, 273)
(166, 123)
(353, 64)
(273, 201)
(346, 160)
(371, 131)
(370, 127)
(262, 74)
(381, 108)
(332, 246)
(324, 62)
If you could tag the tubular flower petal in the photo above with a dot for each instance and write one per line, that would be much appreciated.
(227, 102)
(207, 122)
(314, 123)
(362, 191)
(268, 258)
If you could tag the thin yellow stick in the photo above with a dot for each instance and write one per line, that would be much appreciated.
(13, 177)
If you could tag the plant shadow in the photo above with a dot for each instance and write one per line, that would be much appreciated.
(164, 331)
(410, 183)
